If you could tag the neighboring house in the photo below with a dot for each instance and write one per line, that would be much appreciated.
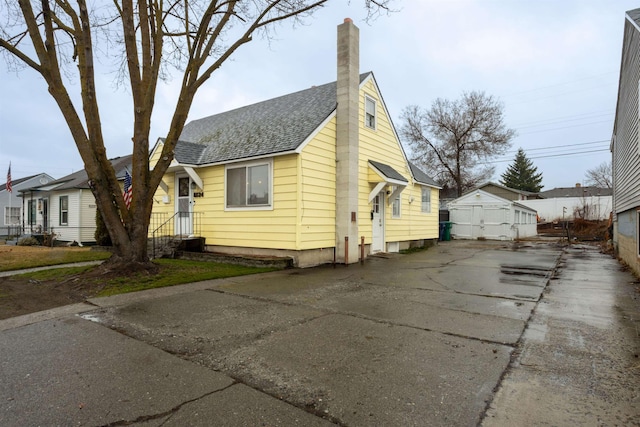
(625, 148)
(13, 215)
(481, 215)
(305, 175)
(591, 203)
(67, 207)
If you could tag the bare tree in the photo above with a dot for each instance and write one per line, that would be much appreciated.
(453, 140)
(191, 38)
(600, 176)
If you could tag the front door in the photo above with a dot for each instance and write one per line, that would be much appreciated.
(184, 206)
(377, 223)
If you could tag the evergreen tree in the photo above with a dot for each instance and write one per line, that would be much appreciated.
(521, 174)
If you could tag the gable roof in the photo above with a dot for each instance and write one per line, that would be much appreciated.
(513, 190)
(486, 196)
(576, 192)
(80, 180)
(274, 126)
(15, 182)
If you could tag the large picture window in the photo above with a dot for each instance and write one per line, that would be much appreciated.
(64, 210)
(426, 199)
(249, 186)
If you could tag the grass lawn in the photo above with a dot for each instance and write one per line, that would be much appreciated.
(19, 257)
(172, 272)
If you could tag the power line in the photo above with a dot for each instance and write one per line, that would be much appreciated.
(555, 147)
(551, 155)
(566, 127)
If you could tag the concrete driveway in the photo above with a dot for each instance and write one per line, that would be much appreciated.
(438, 337)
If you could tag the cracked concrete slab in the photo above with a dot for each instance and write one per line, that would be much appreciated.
(362, 372)
(72, 371)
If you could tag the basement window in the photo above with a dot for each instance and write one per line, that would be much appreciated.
(369, 112)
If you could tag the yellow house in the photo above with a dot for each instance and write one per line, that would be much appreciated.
(310, 175)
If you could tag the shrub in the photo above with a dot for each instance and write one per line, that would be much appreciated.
(28, 241)
(102, 234)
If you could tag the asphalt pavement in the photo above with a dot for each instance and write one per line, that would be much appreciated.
(465, 333)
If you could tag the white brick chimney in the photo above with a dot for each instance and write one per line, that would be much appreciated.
(347, 136)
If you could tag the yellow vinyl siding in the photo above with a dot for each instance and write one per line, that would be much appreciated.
(382, 145)
(271, 229)
(318, 190)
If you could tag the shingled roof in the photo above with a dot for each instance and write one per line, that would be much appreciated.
(275, 126)
(80, 180)
(421, 177)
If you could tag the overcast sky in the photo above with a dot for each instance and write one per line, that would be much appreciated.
(554, 65)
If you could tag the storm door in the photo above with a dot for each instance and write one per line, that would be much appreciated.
(377, 223)
(184, 206)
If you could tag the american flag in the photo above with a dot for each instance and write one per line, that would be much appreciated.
(9, 188)
(127, 189)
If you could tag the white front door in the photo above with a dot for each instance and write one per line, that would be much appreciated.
(184, 206)
(377, 223)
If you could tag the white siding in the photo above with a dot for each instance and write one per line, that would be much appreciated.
(626, 148)
(485, 216)
(593, 208)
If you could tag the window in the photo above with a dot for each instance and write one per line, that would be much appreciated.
(12, 215)
(64, 210)
(248, 186)
(31, 212)
(638, 232)
(516, 219)
(395, 212)
(369, 112)
(426, 199)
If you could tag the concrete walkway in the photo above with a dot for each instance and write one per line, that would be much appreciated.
(47, 267)
(465, 333)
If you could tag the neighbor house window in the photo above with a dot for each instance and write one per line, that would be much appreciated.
(395, 211)
(248, 186)
(31, 211)
(12, 215)
(638, 231)
(64, 210)
(516, 220)
(426, 199)
(370, 112)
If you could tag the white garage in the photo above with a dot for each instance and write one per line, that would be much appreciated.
(481, 215)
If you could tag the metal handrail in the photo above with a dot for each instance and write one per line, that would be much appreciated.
(166, 233)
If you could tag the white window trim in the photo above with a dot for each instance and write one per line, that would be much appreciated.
(269, 163)
(375, 113)
(60, 211)
(428, 191)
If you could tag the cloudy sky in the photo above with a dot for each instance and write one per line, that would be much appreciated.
(554, 65)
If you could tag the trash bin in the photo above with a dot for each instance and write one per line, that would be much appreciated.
(446, 233)
(441, 231)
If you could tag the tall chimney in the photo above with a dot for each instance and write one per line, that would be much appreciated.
(347, 136)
